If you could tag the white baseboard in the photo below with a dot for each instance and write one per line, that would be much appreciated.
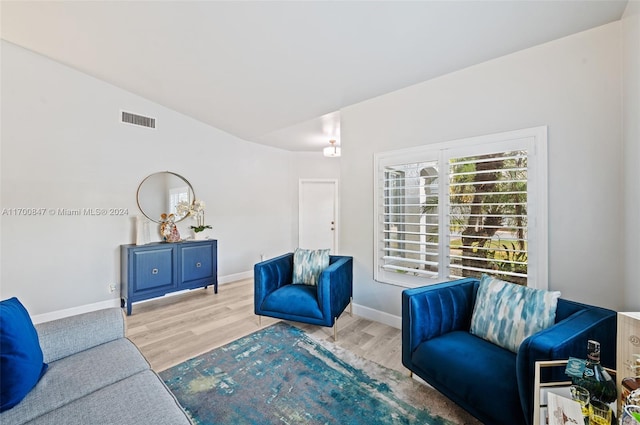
(235, 277)
(377, 316)
(358, 310)
(59, 314)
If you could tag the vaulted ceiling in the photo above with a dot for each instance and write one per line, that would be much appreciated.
(278, 72)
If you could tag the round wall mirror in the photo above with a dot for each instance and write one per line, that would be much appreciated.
(160, 194)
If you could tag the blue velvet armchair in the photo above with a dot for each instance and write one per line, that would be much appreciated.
(493, 384)
(275, 295)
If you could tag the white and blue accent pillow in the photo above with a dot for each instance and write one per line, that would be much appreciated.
(505, 313)
(308, 264)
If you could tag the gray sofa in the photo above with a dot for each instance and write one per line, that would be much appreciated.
(95, 376)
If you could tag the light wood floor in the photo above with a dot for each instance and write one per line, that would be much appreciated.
(173, 329)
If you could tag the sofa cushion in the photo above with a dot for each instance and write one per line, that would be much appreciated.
(73, 334)
(505, 313)
(140, 399)
(73, 377)
(455, 362)
(21, 361)
(308, 264)
(294, 300)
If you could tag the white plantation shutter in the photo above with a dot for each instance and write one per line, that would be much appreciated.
(487, 216)
(463, 208)
(410, 222)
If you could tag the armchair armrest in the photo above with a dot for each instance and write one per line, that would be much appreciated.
(270, 275)
(434, 310)
(68, 335)
(335, 286)
(567, 338)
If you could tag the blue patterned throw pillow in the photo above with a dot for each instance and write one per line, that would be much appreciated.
(308, 264)
(505, 313)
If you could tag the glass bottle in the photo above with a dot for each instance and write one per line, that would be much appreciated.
(594, 378)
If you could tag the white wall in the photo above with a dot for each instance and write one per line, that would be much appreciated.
(631, 137)
(64, 147)
(573, 85)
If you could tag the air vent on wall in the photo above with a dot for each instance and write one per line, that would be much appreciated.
(135, 119)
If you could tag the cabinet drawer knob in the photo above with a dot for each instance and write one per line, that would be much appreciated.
(154, 271)
(198, 264)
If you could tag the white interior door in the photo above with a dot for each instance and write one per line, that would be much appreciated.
(318, 214)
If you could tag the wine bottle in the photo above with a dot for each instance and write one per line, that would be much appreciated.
(595, 378)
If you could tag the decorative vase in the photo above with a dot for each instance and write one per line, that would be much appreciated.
(203, 235)
(168, 229)
(142, 231)
(174, 235)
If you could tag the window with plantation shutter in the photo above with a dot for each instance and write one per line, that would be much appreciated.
(463, 208)
(410, 227)
(488, 216)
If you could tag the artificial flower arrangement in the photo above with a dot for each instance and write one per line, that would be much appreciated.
(195, 210)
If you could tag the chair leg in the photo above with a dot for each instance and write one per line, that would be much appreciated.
(335, 330)
(259, 320)
(351, 306)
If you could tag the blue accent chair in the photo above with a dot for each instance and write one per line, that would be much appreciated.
(493, 384)
(275, 295)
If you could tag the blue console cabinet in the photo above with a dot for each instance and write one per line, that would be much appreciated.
(156, 269)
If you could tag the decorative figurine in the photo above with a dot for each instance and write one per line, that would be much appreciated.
(168, 228)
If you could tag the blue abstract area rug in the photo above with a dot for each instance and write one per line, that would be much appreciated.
(280, 375)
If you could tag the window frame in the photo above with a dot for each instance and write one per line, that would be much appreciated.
(533, 140)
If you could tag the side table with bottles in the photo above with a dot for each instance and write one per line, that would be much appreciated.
(561, 387)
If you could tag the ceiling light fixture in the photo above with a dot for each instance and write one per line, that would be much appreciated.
(331, 151)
